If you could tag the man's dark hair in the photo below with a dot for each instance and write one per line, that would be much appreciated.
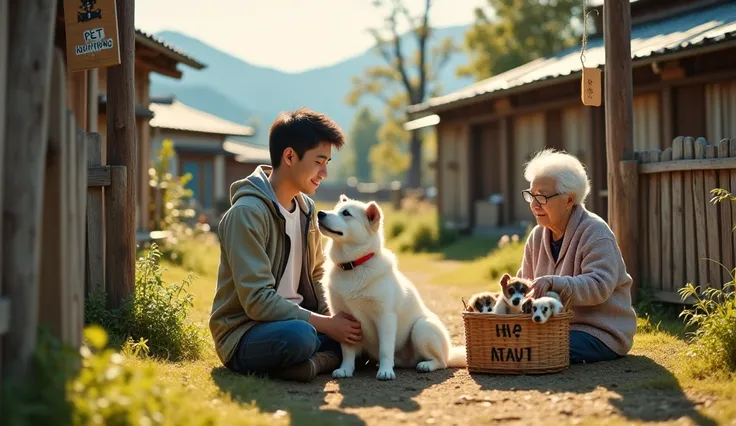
(301, 130)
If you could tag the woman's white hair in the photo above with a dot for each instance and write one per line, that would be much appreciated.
(567, 171)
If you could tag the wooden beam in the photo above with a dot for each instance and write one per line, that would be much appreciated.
(121, 151)
(728, 163)
(4, 315)
(31, 28)
(619, 132)
(158, 68)
(98, 176)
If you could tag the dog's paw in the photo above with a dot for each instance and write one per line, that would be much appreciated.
(426, 366)
(386, 374)
(342, 373)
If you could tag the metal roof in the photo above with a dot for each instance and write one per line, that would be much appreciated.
(178, 116)
(676, 34)
(176, 53)
(247, 153)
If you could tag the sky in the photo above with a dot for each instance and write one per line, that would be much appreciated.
(288, 35)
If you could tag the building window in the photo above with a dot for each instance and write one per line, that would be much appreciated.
(646, 123)
(720, 111)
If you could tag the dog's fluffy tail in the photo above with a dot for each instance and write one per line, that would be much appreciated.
(457, 358)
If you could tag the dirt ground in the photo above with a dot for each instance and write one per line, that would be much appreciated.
(635, 389)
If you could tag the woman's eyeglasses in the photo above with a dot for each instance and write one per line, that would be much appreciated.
(541, 199)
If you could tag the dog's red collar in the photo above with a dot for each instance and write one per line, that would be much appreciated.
(357, 262)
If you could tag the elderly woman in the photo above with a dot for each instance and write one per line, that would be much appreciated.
(572, 251)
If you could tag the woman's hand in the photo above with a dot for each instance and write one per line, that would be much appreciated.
(541, 286)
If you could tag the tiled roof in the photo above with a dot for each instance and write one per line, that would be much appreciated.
(247, 153)
(178, 116)
(692, 30)
(176, 53)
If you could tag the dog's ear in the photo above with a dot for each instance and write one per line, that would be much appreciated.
(373, 213)
(555, 306)
(505, 281)
(526, 305)
(344, 198)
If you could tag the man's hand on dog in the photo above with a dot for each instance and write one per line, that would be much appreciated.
(541, 286)
(342, 327)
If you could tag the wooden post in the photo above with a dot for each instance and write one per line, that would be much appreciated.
(95, 276)
(121, 151)
(4, 303)
(53, 279)
(29, 73)
(622, 189)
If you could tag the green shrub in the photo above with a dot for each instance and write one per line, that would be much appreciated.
(395, 229)
(92, 386)
(713, 345)
(506, 259)
(156, 312)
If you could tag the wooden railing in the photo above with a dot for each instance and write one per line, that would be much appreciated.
(684, 236)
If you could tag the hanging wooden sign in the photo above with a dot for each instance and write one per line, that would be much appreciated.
(591, 87)
(91, 34)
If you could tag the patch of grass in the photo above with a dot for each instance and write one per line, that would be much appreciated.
(157, 312)
(93, 386)
(713, 347)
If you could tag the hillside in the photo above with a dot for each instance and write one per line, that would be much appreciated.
(236, 90)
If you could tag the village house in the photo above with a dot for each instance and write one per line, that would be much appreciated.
(684, 84)
(211, 149)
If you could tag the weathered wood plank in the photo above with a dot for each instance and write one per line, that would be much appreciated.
(121, 151)
(95, 278)
(687, 165)
(119, 280)
(700, 201)
(690, 246)
(643, 157)
(666, 208)
(655, 224)
(4, 315)
(80, 199)
(732, 153)
(678, 227)
(629, 222)
(711, 220)
(70, 243)
(672, 297)
(4, 12)
(98, 176)
(29, 72)
(52, 279)
(724, 209)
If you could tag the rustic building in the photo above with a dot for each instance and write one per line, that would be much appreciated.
(684, 82)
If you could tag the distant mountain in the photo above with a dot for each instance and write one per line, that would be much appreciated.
(236, 90)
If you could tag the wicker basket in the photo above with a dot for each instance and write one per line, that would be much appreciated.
(515, 344)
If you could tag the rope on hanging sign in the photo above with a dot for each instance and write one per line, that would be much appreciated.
(585, 32)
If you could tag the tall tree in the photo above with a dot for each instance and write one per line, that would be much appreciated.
(408, 77)
(513, 32)
(363, 136)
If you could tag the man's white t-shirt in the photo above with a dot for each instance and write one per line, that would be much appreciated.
(289, 283)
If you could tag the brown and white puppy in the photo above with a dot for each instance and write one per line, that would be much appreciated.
(546, 307)
(483, 302)
(513, 293)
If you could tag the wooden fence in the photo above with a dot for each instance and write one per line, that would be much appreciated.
(684, 237)
(52, 181)
(44, 193)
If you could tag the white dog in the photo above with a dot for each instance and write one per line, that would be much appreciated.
(362, 278)
(546, 307)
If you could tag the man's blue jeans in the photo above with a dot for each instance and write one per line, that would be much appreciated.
(585, 348)
(279, 344)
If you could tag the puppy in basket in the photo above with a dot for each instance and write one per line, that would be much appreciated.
(543, 308)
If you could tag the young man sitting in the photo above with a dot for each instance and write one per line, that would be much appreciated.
(269, 314)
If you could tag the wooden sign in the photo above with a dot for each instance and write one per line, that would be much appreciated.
(91, 34)
(591, 87)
